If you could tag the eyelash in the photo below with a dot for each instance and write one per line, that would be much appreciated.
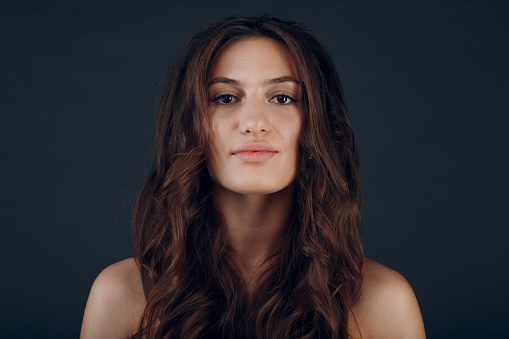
(284, 95)
(233, 97)
(222, 97)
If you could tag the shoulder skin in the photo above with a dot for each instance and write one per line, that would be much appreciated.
(387, 307)
(115, 303)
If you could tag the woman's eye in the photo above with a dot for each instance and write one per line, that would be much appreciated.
(282, 99)
(224, 99)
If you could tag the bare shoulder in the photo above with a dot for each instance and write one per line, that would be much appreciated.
(387, 307)
(115, 303)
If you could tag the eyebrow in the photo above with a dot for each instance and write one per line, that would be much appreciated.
(268, 82)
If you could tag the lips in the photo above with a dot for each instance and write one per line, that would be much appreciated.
(255, 152)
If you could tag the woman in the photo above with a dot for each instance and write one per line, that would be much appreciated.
(248, 225)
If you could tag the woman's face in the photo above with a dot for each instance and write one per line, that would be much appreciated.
(255, 111)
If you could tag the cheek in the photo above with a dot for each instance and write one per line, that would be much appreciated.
(213, 162)
(217, 142)
(294, 132)
(217, 146)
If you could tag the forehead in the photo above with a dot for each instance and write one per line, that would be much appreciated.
(255, 57)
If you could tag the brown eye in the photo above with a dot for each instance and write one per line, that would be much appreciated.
(282, 99)
(224, 99)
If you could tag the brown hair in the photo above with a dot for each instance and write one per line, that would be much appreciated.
(191, 286)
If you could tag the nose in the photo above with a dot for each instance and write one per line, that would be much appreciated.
(254, 119)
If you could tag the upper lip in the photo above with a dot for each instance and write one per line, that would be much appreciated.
(254, 146)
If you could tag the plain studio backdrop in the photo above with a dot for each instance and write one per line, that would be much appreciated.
(427, 90)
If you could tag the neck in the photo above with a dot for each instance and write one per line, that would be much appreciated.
(254, 224)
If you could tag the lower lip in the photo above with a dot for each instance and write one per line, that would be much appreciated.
(258, 156)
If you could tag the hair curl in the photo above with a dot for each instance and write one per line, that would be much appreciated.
(191, 285)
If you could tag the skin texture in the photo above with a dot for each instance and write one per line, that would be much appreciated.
(387, 308)
(254, 111)
(263, 107)
(115, 303)
(255, 198)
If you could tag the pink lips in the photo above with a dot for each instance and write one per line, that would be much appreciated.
(255, 151)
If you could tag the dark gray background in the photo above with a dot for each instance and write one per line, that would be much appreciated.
(426, 85)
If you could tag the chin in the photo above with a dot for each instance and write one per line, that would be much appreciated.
(257, 188)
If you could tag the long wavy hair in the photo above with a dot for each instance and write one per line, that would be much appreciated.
(191, 284)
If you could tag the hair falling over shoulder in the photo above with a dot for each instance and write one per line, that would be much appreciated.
(192, 288)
